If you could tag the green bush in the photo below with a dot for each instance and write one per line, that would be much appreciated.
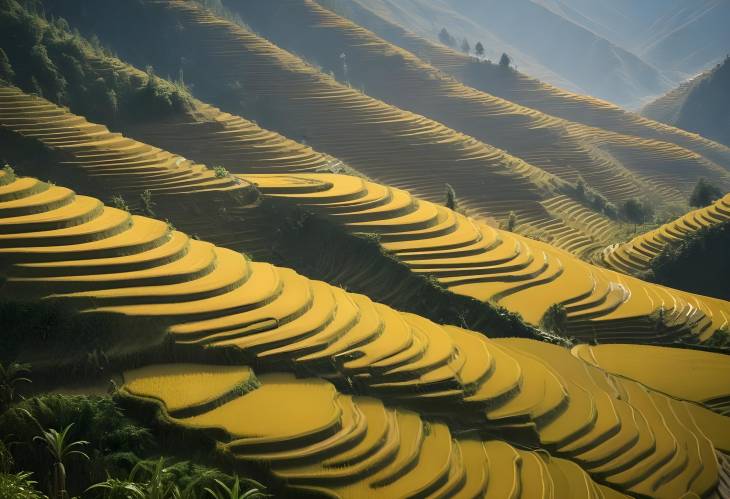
(704, 194)
(555, 319)
(47, 59)
(220, 172)
(18, 486)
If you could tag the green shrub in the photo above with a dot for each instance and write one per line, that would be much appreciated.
(704, 194)
(18, 486)
(147, 203)
(555, 319)
(119, 203)
(450, 197)
(220, 172)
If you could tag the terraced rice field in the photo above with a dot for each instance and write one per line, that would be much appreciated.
(114, 165)
(704, 376)
(618, 166)
(526, 276)
(381, 141)
(99, 260)
(529, 92)
(130, 165)
(636, 255)
(354, 446)
(213, 137)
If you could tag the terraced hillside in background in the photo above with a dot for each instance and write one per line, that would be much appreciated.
(52, 143)
(523, 275)
(209, 135)
(526, 91)
(617, 166)
(700, 105)
(61, 246)
(467, 257)
(393, 146)
(636, 256)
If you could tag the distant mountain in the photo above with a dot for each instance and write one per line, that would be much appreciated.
(701, 105)
(543, 44)
(680, 37)
(692, 37)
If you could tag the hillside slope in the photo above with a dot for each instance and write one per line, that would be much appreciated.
(536, 38)
(701, 105)
(618, 167)
(520, 274)
(48, 141)
(277, 318)
(636, 256)
(396, 147)
(516, 87)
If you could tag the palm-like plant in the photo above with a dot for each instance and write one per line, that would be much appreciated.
(60, 448)
(236, 491)
(10, 377)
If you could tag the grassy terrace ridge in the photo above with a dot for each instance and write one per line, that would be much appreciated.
(207, 299)
(383, 142)
(354, 446)
(525, 276)
(636, 256)
(649, 365)
(74, 150)
(524, 90)
(618, 166)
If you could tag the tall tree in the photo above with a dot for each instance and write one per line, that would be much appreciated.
(446, 38)
(704, 194)
(465, 46)
(505, 60)
(479, 49)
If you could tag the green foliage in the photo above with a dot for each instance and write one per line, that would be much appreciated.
(555, 319)
(148, 203)
(505, 61)
(10, 377)
(637, 211)
(6, 69)
(163, 479)
(119, 203)
(9, 171)
(585, 194)
(446, 38)
(47, 59)
(220, 172)
(237, 491)
(704, 194)
(6, 459)
(114, 441)
(511, 221)
(450, 197)
(18, 486)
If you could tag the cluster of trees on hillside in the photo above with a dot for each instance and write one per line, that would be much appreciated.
(450, 41)
(45, 57)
